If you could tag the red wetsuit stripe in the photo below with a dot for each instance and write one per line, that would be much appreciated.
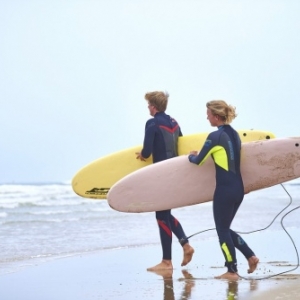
(165, 227)
(172, 130)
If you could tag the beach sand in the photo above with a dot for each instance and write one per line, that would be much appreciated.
(287, 290)
(121, 274)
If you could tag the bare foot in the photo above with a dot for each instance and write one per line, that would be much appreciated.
(252, 262)
(188, 252)
(164, 265)
(229, 276)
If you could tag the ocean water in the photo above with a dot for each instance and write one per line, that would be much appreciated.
(40, 222)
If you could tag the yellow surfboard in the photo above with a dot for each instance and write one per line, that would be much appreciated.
(95, 179)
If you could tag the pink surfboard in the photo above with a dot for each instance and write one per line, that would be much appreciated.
(177, 182)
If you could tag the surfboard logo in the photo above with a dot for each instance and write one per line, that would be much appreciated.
(98, 191)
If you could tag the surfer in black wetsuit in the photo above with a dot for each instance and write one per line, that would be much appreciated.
(160, 140)
(224, 146)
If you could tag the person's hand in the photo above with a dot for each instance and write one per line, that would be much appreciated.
(139, 156)
(194, 153)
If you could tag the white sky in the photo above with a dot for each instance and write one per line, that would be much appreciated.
(73, 74)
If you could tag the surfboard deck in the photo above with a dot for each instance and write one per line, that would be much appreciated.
(177, 182)
(95, 179)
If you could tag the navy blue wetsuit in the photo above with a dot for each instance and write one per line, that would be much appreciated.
(224, 145)
(161, 138)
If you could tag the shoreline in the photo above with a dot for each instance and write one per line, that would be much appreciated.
(121, 274)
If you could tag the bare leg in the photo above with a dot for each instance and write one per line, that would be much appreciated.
(229, 276)
(188, 252)
(164, 265)
(252, 262)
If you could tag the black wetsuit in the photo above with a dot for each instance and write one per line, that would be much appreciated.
(224, 145)
(161, 138)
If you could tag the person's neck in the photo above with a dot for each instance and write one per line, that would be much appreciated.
(156, 112)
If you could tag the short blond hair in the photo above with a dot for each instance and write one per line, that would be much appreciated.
(220, 108)
(158, 99)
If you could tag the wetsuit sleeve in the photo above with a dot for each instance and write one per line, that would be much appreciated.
(149, 138)
(206, 151)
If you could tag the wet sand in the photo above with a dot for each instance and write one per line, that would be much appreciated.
(121, 274)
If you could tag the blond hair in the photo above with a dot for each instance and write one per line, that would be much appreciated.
(220, 108)
(158, 99)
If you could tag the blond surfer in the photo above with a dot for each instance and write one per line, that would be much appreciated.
(224, 146)
(160, 141)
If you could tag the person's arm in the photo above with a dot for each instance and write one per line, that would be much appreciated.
(148, 141)
(206, 151)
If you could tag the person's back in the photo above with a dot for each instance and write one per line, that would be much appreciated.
(161, 138)
(225, 146)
